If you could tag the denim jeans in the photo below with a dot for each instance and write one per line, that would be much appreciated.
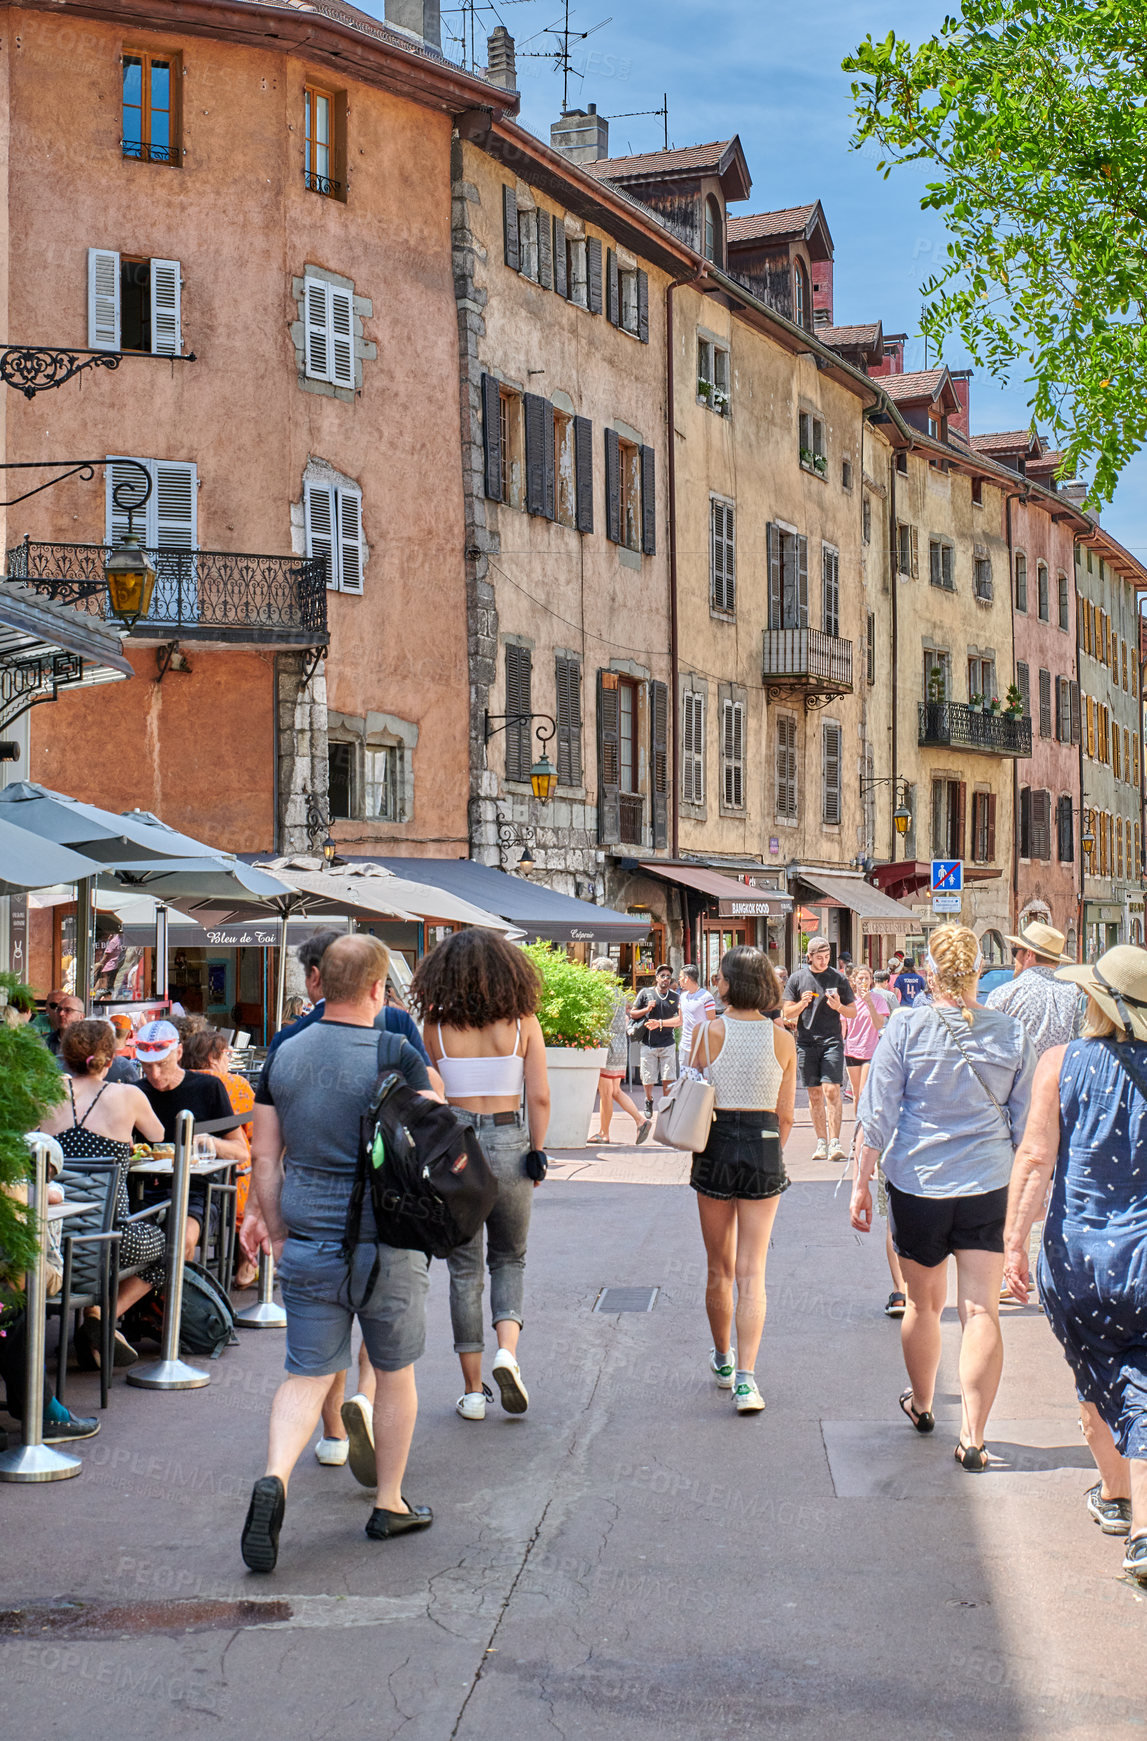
(506, 1231)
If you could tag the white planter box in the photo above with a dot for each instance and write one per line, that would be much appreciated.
(573, 1087)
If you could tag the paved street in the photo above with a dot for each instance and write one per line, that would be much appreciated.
(630, 1560)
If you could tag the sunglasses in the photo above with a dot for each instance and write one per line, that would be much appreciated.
(52, 1006)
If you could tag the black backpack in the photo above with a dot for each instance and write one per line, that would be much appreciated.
(207, 1325)
(431, 1187)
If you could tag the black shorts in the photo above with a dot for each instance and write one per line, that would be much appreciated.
(742, 1159)
(927, 1230)
(821, 1061)
(856, 1063)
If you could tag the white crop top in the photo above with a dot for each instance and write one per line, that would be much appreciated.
(746, 1072)
(477, 1078)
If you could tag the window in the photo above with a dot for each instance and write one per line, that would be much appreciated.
(941, 558)
(628, 283)
(831, 756)
(981, 680)
(866, 520)
(983, 841)
(577, 273)
(1116, 764)
(810, 431)
(151, 112)
(1123, 645)
(846, 474)
(692, 747)
(168, 526)
(786, 767)
(565, 470)
(1090, 736)
(907, 550)
(1039, 825)
(1102, 741)
(629, 462)
(802, 301)
(329, 333)
(937, 674)
(1126, 754)
(629, 758)
(870, 648)
(631, 514)
(340, 781)
(1021, 581)
(528, 242)
(334, 531)
(788, 578)
(567, 676)
(1023, 684)
(902, 463)
(133, 305)
(382, 782)
(722, 558)
(1064, 602)
(1064, 830)
(714, 238)
(982, 578)
(732, 755)
(1119, 846)
(830, 590)
(513, 445)
(948, 802)
(713, 375)
(519, 704)
(977, 492)
(1044, 593)
(1063, 710)
(1045, 704)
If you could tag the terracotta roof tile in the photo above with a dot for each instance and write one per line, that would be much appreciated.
(656, 162)
(783, 223)
(916, 385)
(848, 335)
(1006, 442)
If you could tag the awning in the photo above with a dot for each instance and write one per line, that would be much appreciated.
(736, 900)
(532, 907)
(909, 876)
(46, 647)
(873, 908)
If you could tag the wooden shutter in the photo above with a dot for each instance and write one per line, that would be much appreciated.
(116, 518)
(991, 826)
(776, 582)
(545, 250)
(648, 501)
(583, 459)
(961, 815)
(802, 583)
(511, 248)
(786, 766)
(593, 279)
(176, 505)
(166, 339)
(349, 507)
(1075, 719)
(492, 436)
(659, 745)
(103, 300)
(732, 755)
(561, 277)
(643, 306)
(316, 329)
(830, 767)
(608, 759)
(538, 411)
(341, 336)
(320, 515)
(1024, 823)
(1023, 684)
(518, 687)
(693, 748)
(1059, 700)
(1045, 704)
(568, 675)
(612, 487)
(914, 541)
(722, 556)
(612, 289)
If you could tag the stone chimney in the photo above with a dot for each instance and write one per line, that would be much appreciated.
(1073, 492)
(582, 135)
(417, 18)
(501, 64)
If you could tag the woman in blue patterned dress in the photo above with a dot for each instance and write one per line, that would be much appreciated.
(1088, 1126)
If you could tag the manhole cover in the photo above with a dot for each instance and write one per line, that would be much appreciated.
(626, 1300)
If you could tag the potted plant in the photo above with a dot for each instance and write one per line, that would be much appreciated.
(994, 705)
(976, 701)
(936, 683)
(1015, 707)
(704, 388)
(30, 1085)
(575, 1013)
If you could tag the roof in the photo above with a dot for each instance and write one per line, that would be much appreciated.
(725, 159)
(54, 647)
(919, 384)
(859, 337)
(785, 223)
(1007, 442)
(539, 911)
(745, 899)
(876, 911)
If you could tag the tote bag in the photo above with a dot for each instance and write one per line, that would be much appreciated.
(685, 1116)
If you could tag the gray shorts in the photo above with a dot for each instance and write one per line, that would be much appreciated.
(313, 1279)
(658, 1064)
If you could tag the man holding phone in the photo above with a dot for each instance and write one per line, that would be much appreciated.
(820, 1002)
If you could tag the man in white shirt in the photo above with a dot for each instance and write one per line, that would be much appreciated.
(1045, 1007)
(696, 1006)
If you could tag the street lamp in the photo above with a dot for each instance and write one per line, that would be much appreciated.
(543, 774)
(902, 815)
(509, 836)
(902, 819)
(129, 575)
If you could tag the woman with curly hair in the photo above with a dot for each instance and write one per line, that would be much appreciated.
(478, 996)
(945, 1103)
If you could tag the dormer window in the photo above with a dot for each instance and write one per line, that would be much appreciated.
(802, 302)
(714, 249)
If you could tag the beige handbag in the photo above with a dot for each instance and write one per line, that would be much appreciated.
(685, 1116)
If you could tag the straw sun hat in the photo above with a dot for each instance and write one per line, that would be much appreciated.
(1042, 940)
(1118, 983)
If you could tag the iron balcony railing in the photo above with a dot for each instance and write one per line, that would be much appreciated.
(969, 728)
(151, 153)
(808, 657)
(322, 184)
(205, 595)
(632, 819)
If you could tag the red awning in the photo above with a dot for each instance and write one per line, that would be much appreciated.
(906, 876)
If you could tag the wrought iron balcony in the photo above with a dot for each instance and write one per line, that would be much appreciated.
(321, 184)
(632, 819)
(807, 661)
(145, 153)
(955, 724)
(200, 595)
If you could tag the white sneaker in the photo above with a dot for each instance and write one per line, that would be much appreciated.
(332, 1453)
(820, 1153)
(748, 1398)
(515, 1396)
(722, 1373)
(358, 1419)
(472, 1406)
(836, 1151)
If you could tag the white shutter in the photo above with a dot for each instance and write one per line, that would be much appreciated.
(320, 513)
(317, 326)
(115, 472)
(175, 504)
(166, 338)
(341, 336)
(350, 540)
(103, 300)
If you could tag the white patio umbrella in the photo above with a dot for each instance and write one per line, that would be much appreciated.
(28, 861)
(102, 834)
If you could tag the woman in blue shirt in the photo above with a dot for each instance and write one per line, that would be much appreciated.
(944, 1107)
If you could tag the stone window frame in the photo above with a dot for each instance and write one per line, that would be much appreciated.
(375, 731)
(362, 309)
(320, 471)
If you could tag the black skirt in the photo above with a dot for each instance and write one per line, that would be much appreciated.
(742, 1159)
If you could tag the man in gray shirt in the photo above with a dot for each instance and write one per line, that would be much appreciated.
(1045, 1006)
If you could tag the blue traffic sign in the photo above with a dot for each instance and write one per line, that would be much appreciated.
(947, 876)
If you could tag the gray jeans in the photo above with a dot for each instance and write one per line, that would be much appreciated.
(506, 1231)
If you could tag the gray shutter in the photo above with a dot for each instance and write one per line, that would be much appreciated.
(659, 736)
(608, 759)
(643, 307)
(831, 750)
(518, 686)
(583, 458)
(612, 487)
(648, 501)
(536, 409)
(549, 466)
(593, 278)
(776, 586)
(568, 674)
(1045, 704)
(1023, 684)
(802, 583)
(1075, 720)
(612, 288)
(545, 250)
(1059, 698)
(511, 247)
(492, 435)
(1024, 843)
(561, 280)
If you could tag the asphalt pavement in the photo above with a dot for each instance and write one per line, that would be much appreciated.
(629, 1560)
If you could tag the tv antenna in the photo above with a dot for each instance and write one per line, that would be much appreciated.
(631, 114)
(562, 55)
(466, 33)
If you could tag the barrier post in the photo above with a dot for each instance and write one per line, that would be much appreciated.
(169, 1372)
(264, 1314)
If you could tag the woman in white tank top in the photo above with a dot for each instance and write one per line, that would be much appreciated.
(740, 1174)
(478, 995)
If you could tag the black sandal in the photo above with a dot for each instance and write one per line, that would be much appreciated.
(973, 1458)
(896, 1306)
(923, 1420)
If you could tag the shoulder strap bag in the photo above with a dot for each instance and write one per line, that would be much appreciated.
(685, 1116)
(954, 1032)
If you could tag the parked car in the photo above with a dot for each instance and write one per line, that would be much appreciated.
(992, 978)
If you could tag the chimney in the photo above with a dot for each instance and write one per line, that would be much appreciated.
(1073, 492)
(417, 18)
(962, 381)
(582, 135)
(501, 63)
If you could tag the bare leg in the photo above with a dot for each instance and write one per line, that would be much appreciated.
(605, 1111)
(894, 1269)
(719, 1231)
(620, 1098)
(816, 1111)
(834, 1109)
(332, 1408)
(978, 1277)
(1114, 1470)
(754, 1230)
(856, 1081)
(294, 1415)
(135, 1288)
(395, 1413)
(365, 1374)
(1138, 1468)
(927, 1291)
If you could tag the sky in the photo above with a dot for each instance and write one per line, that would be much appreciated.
(769, 70)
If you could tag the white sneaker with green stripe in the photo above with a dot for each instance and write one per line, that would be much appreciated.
(747, 1397)
(723, 1367)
